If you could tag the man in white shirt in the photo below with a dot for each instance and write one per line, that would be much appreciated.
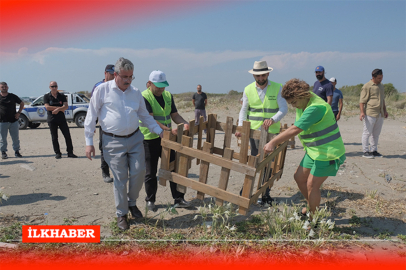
(119, 107)
(262, 104)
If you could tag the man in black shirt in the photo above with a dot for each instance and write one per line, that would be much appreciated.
(56, 104)
(8, 120)
(161, 106)
(199, 101)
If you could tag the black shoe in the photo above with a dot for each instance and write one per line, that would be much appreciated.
(17, 154)
(266, 200)
(3, 155)
(58, 156)
(181, 203)
(122, 223)
(135, 212)
(151, 206)
(107, 178)
(376, 154)
(368, 155)
(72, 155)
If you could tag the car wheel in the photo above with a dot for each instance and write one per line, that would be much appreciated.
(34, 125)
(80, 119)
(23, 121)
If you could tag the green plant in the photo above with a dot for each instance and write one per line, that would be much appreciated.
(355, 221)
(402, 237)
(12, 232)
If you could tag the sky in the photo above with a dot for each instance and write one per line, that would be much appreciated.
(213, 43)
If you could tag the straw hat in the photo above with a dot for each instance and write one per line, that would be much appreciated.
(260, 67)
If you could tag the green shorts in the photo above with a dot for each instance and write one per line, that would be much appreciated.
(322, 168)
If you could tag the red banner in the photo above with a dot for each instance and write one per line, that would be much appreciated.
(61, 234)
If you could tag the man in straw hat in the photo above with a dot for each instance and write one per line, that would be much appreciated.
(262, 104)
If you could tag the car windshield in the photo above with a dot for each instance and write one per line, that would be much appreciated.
(38, 102)
(85, 98)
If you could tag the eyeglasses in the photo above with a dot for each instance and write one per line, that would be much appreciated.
(126, 78)
(53, 86)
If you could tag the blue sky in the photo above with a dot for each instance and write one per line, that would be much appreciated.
(215, 45)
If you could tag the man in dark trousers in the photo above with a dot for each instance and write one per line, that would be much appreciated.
(323, 87)
(199, 101)
(108, 76)
(56, 105)
(8, 120)
(161, 106)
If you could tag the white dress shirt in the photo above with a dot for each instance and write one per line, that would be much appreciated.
(282, 104)
(118, 112)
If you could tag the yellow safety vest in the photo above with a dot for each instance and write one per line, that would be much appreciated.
(163, 116)
(259, 111)
(322, 141)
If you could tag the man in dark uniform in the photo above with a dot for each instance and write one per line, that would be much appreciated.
(56, 104)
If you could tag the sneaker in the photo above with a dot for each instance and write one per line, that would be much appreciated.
(72, 155)
(58, 156)
(107, 178)
(3, 155)
(181, 203)
(376, 154)
(151, 206)
(368, 155)
(17, 154)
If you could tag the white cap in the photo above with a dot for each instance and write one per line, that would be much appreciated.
(332, 79)
(158, 78)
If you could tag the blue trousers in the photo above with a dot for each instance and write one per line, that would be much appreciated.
(13, 128)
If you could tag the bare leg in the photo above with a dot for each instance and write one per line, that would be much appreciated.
(301, 176)
(314, 194)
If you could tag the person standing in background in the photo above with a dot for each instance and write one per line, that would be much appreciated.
(337, 103)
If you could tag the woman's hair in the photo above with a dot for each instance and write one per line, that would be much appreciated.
(295, 88)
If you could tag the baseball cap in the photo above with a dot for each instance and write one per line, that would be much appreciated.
(109, 69)
(332, 79)
(158, 78)
(319, 68)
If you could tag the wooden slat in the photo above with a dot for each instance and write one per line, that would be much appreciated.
(209, 190)
(204, 170)
(165, 157)
(218, 151)
(248, 185)
(269, 184)
(191, 134)
(235, 166)
(179, 140)
(271, 156)
(262, 142)
(255, 134)
(225, 174)
(244, 142)
(228, 133)
(183, 167)
(200, 135)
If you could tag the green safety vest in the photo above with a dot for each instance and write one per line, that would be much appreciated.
(322, 141)
(258, 111)
(163, 116)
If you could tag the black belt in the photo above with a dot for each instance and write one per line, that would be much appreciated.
(120, 136)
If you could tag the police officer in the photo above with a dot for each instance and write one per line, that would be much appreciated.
(262, 104)
(56, 105)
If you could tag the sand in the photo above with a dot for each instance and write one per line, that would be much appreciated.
(44, 190)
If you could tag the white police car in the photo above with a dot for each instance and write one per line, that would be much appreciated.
(34, 114)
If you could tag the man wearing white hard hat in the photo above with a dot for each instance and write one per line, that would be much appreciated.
(161, 106)
(337, 102)
(262, 104)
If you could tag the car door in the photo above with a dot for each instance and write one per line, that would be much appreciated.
(69, 111)
(37, 111)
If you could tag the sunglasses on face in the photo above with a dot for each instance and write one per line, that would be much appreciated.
(53, 86)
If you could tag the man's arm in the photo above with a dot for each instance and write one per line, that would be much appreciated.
(60, 109)
(178, 119)
(329, 100)
(243, 113)
(340, 109)
(193, 100)
(384, 110)
(17, 115)
(364, 97)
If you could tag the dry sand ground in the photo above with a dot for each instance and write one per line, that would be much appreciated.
(73, 188)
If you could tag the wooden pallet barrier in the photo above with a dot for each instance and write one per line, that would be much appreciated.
(267, 169)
